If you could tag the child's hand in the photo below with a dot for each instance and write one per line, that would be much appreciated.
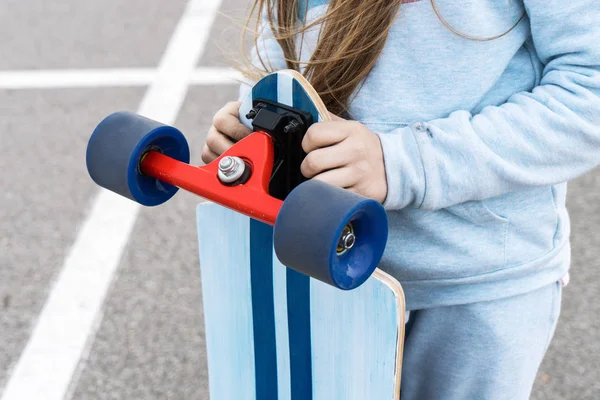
(224, 132)
(345, 154)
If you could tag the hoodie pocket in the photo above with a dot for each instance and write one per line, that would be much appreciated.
(478, 213)
(486, 233)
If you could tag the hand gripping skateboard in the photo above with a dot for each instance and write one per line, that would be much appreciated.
(294, 304)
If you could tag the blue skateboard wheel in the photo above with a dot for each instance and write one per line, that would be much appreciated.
(311, 222)
(115, 151)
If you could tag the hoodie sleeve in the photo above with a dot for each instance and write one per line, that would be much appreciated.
(271, 53)
(543, 137)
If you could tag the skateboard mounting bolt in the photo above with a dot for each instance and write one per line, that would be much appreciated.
(347, 240)
(292, 127)
(252, 113)
(231, 169)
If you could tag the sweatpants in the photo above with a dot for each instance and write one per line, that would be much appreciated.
(489, 350)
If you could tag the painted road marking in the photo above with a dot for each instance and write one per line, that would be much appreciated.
(94, 78)
(66, 327)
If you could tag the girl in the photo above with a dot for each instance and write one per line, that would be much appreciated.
(465, 119)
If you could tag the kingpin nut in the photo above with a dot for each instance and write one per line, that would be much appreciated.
(231, 169)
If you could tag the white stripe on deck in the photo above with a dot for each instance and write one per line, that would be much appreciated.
(67, 325)
(285, 89)
(96, 78)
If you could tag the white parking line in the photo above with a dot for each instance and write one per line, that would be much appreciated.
(81, 78)
(74, 78)
(214, 76)
(67, 324)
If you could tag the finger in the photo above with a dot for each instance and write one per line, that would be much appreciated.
(208, 155)
(233, 107)
(340, 177)
(363, 191)
(354, 189)
(324, 159)
(335, 117)
(324, 134)
(217, 142)
(226, 120)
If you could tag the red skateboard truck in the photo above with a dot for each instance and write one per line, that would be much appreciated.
(323, 231)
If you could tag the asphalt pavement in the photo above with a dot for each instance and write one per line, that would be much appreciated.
(149, 342)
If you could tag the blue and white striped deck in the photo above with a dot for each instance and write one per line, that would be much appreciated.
(272, 333)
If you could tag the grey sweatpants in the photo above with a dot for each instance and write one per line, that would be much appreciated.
(489, 350)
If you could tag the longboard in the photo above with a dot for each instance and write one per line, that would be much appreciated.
(294, 304)
(274, 333)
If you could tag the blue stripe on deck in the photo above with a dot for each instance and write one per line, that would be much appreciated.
(263, 310)
(298, 300)
(267, 88)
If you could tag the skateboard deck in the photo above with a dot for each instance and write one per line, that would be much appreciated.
(274, 333)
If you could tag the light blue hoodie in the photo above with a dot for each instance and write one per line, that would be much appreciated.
(479, 140)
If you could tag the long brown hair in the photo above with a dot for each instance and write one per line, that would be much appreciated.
(354, 36)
